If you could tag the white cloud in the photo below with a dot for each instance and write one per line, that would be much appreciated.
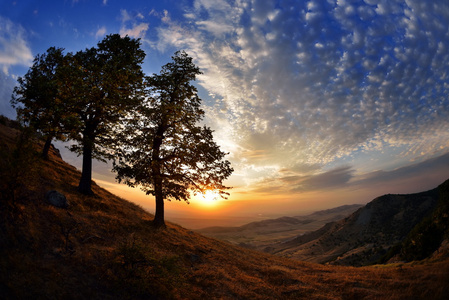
(137, 31)
(14, 49)
(100, 32)
(125, 16)
(214, 27)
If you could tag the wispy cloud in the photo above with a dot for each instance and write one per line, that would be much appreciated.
(100, 32)
(421, 174)
(137, 31)
(286, 182)
(7, 84)
(132, 25)
(125, 16)
(14, 49)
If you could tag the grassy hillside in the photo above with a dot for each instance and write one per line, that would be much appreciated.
(103, 247)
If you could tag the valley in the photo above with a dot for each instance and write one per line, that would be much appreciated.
(260, 234)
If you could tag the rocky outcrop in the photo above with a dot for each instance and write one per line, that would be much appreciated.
(56, 199)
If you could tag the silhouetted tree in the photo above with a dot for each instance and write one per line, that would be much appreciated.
(83, 97)
(164, 150)
(106, 83)
(37, 98)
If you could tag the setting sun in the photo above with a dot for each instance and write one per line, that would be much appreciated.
(209, 198)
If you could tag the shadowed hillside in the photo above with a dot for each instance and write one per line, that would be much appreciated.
(103, 247)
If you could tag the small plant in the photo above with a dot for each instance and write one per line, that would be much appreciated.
(68, 227)
(141, 273)
(16, 167)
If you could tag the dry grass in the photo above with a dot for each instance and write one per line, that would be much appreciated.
(104, 247)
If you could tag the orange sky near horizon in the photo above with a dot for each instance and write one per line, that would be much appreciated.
(245, 205)
(251, 202)
(240, 208)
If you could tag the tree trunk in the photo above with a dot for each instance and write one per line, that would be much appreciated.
(159, 219)
(85, 186)
(47, 147)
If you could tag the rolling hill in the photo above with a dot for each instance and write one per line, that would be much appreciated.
(260, 234)
(104, 247)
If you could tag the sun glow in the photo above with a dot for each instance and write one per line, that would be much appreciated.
(209, 198)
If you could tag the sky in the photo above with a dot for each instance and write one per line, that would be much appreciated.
(319, 103)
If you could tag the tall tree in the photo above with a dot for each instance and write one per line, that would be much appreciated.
(38, 101)
(164, 150)
(106, 82)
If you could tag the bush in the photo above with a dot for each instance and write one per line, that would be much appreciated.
(139, 273)
(17, 163)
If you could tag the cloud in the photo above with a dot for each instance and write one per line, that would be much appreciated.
(423, 174)
(125, 16)
(137, 29)
(322, 81)
(336, 178)
(14, 49)
(7, 84)
(291, 183)
(100, 32)
(214, 28)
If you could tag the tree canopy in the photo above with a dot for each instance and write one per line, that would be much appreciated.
(38, 101)
(164, 150)
(106, 84)
(84, 95)
(150, 126)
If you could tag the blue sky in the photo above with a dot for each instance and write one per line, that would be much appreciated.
(333, 100)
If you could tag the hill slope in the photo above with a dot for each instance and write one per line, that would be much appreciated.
(103, 247)
(258, 234)
(371, 232)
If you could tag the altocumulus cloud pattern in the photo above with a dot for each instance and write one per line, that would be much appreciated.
(303, 94)
(318, 80)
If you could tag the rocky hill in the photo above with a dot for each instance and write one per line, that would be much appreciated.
(103, 247)
(374, 233)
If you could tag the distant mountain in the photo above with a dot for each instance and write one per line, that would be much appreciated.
(261, 233)
(389, 227)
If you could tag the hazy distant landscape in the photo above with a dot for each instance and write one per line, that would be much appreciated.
(261, 233)
(390, 228)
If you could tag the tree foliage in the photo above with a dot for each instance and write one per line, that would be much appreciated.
(163, 149)
(38, 101)
(100, 98)
(83, 96)
(106, 84)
